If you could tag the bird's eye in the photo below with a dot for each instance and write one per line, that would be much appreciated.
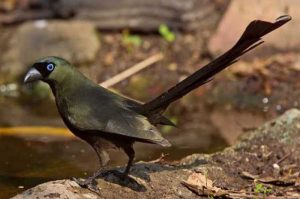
(50, 67)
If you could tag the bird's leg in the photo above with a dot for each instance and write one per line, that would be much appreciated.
(130, 152)
(103, 160)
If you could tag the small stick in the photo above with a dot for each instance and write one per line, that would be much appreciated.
(132, 70)
(284, 157)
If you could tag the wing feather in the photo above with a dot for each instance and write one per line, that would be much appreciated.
(107, 114)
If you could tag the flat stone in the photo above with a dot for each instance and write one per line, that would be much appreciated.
(76, 41)
(241, 12)
(57, 189)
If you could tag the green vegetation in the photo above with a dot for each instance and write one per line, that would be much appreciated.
(166, 33)
(260, 188)
(130, 40)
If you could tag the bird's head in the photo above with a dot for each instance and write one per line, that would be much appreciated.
(48, 69)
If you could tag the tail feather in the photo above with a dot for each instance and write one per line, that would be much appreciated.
(250, 39)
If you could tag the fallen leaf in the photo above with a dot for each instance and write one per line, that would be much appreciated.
(203, 186)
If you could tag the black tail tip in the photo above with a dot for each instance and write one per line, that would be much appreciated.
(284, 18)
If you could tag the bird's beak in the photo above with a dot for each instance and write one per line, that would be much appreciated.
(32, 75)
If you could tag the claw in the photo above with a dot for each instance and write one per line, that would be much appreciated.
(93, 187)
(89, 184)
(82, 183)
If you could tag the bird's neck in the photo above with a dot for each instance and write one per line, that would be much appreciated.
(70, 82)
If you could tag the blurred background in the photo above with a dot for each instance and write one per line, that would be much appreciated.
(170, 39)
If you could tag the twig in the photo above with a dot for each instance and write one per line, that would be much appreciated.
(132, 70)
(284, 157)
(251, 195)
(160, 159)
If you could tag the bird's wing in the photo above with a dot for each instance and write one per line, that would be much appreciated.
(111, 116)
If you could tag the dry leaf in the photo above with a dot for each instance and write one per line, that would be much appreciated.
(200, 184)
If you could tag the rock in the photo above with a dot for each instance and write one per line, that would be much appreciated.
(233, 128)
(56, 189)
(7, 5)
(275, 142)
(76, 41)
(121, 14)
(241, 12)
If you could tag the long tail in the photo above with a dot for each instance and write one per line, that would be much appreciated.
(250, 39)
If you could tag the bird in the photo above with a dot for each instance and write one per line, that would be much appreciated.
(106, 119)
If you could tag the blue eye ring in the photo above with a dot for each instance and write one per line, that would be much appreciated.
(50, 67)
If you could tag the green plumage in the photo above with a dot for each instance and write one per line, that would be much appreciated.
(90, 107)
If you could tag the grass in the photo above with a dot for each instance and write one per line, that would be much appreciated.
(262, 189)
(166, 33)
(131, 40)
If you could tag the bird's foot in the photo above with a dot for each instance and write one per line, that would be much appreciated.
(89, 184)
(119, 174)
